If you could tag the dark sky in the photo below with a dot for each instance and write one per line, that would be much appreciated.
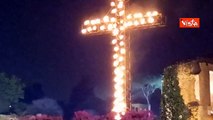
(40, 41)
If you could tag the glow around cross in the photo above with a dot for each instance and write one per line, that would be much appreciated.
(117, 23)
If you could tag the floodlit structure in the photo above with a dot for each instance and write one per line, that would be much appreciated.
(118, 22)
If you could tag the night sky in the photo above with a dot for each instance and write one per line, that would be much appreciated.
(40, 42)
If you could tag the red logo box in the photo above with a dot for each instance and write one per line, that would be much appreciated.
(189, 22)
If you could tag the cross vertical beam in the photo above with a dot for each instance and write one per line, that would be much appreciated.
(119, 23)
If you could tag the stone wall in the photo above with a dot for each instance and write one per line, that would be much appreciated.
(187, 89)
(199, 108)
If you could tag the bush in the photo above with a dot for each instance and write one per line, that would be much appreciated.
(132, 115)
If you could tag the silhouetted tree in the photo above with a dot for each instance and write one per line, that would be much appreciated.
(11, 91)
(147, 92)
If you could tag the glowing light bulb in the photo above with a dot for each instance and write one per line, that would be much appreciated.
(113, 19)
(142, 21)
(115, 32)
(121, 21)
(121, 43)
(138, 15)
(114, 41)
(116, 48)
(106, 19)
(123, 68)
(112, 4)
(122, 28)
(87, 22)
(121, 59)
(102, 27)
(119, 81)
(117, 93)
(97, 21)
(93, 22)
(151, 20)
(115, 56)
(129, 16)
(123, 51)
(110, 27)
(120, 5)
(121, 37)
(114, 11)
(154, 13)
(118, 87)
(129, 23)
(121, 13)
(114, 25)
(83, 31)
(116, 102)
(121, 98)
(117, 70)
(89, 29)
(115, 63)
(118, 117)
(149, 14)
(94, 28)
(136, 23)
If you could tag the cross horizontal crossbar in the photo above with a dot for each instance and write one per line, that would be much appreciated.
(132, 21)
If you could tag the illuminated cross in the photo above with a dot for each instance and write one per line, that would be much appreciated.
(118, 23)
